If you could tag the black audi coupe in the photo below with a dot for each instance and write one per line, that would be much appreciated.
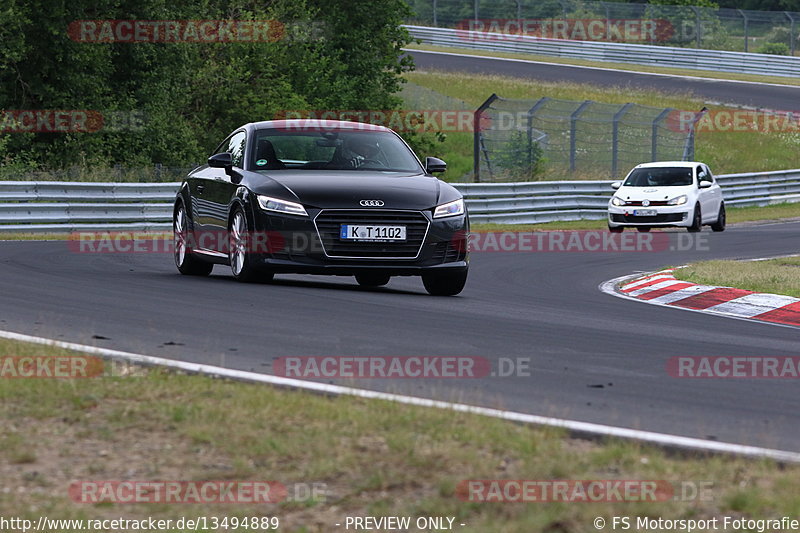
(322, 197)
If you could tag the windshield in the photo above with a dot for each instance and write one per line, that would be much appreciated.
(659, 177)
(342, 149)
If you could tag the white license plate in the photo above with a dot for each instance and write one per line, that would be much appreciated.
(368, 232)
(644, 212)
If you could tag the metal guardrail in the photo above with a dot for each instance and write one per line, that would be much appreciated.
(548, 201)
(663, 56)
(75, 206)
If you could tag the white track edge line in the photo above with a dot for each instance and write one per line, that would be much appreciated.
(608, 69)
(661, 439)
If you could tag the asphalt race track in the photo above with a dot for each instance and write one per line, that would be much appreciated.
(593, 357)
(713, 91)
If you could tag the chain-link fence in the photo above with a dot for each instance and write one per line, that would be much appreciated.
(522, 140)
(773, 32)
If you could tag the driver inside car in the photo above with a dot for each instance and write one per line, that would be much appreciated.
(360, 150)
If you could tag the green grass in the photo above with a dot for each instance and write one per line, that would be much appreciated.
(724, 151)
(370, 457)
(781, 80)
(776, 276)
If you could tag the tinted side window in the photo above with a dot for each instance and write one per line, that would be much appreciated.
(236, 148)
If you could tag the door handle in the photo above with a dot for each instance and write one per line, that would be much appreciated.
(201, 188)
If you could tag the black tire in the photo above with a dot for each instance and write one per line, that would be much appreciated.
(445, 283)
(186, 261)
(697, 221)
(616, 229)
(643, 229)
(243, 266)
(719, 225)
(372, 280)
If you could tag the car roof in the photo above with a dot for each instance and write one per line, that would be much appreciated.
(658, 164)
(303, 123)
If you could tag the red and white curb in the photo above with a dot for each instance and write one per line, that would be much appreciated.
(661, 288)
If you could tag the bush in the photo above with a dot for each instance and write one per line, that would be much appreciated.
(778, 49)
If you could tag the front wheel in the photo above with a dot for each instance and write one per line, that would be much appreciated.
(643, 229)
(185, 260)
(697, 221)
(616, 229)
(719, 225)
(243, 265)
(445, 283)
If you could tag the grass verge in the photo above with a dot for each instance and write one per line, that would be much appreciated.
(372, 457)
(776, 276)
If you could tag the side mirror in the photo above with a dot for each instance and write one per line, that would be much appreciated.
(616, 185)
(434, 164)
(705, 184)
(223, 160)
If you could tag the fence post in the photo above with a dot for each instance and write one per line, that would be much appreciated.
(746, 27)
(476, 12)
(688, 148)
(435, 20)
(531, 112)
(654, 141)
(476, 136)
(697, 25)
(791, 31)
(608, 19)
(573, 123)
(615, 137)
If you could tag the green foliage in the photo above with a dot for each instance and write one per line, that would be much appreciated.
(174, 102)
(779, 49)
(520, 158)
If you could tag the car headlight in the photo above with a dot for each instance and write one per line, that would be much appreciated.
(616, 200)
(268, 203)
(678, 200)
(449, 209)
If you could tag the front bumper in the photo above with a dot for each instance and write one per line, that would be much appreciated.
(301, 245)
(666, 216)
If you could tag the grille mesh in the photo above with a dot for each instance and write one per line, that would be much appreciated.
(329, 225)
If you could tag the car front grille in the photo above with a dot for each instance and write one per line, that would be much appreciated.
(652, 203)
(665, 217)
(329, 222)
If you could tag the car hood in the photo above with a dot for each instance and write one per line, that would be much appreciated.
(652, 193)
(345, 189)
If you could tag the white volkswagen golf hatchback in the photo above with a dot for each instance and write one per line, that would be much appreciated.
(667, 193)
